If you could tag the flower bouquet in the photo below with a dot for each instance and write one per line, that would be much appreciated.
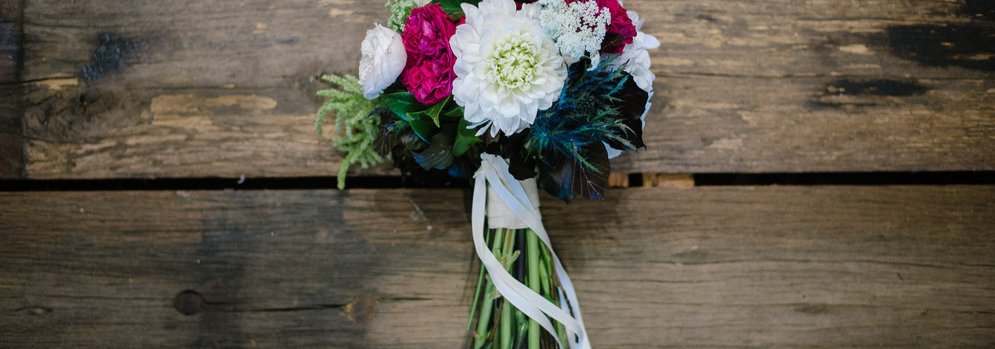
(517, 96)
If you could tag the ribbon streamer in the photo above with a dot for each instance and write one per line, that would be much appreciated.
(494, 178)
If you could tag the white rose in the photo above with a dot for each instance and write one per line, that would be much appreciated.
(383, 60)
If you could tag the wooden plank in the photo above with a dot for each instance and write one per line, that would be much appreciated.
(10, 40)
(772, 267)
(11, 142)
(211, 88)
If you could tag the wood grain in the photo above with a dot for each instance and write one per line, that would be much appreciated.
(10, 40)
(746, 267)
(11, 141)
(226, 88)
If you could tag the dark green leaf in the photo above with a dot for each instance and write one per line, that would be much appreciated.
(438, 155)
(454, 112)
(436, 109)
(465, 138)
(452, 7)
(422, 124)
(402, 104)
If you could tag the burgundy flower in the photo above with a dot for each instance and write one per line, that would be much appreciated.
(429, 72)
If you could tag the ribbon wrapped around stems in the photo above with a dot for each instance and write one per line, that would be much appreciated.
(508, 203)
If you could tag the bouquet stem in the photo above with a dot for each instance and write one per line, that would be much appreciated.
(532, 253)
(499, 325)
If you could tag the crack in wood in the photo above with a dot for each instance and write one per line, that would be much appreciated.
(33, 310)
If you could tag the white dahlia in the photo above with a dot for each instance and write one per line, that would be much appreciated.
(507, 68)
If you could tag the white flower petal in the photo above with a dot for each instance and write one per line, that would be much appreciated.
(383, 60)
(507, 67)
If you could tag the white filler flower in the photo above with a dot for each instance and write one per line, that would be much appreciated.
(577, 28)
(383, 60)
(507, 68)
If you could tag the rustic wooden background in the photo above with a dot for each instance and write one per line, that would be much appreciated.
(101, 90)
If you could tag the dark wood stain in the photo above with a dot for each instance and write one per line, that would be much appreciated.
(969, 44)
(978, 9)
(109, 55)
(858, 93)
(890, 88)
(963, 45)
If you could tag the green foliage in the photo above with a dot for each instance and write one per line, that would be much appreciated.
(356, 129)
(400, 10)
(453, 7)
(442, 134)
(434, 111)
(407, 108)
(465, 138)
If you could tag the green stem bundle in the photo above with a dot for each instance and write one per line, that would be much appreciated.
(498, 324)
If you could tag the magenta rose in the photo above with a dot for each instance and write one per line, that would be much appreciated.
(429, 74)
(621, 31)
(430, 80)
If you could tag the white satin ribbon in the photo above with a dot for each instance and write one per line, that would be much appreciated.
(513, 195)
(500, 216)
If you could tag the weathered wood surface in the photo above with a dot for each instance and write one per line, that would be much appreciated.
(11, 141)
(225, 88)
(883, 267)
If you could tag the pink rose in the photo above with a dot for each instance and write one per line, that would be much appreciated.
(621, 31)
(429, 74)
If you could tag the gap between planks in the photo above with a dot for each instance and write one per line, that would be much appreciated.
(651, 180)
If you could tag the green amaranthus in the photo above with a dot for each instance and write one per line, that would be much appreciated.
(355, 128)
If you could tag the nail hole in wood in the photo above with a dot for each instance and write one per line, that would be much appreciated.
(188, 302)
